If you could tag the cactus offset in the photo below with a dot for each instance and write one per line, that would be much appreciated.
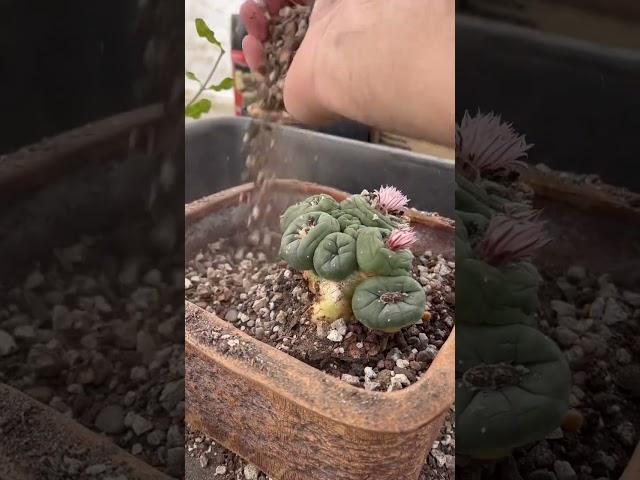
(376, 257)
(389, 303)
(316, 203)
(302, 237)
(512, 388)
(335, 256)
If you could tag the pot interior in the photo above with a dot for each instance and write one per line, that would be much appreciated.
(601, 242)
(228, 214)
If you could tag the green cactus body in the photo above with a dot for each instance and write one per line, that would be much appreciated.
(512, 388)
(346, 220)
(473, 221)
(360, 208)
(463, 247)
(335, 257)
(496, 296)
(374, 257)
(302, 237)
(353, 230)
(316, 203)
(465, 202)
(472, 198)
(389, 303)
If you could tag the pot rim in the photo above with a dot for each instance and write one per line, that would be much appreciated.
(405, 410)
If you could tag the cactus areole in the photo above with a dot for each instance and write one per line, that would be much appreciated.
(358, 253)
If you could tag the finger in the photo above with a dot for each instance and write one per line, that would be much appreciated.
(253, 53)
(274, 6)
(254, 19)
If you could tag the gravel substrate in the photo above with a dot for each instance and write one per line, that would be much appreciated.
(243, 282)
(597, 325)
(101, 339)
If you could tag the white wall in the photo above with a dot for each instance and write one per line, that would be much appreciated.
(200, 54)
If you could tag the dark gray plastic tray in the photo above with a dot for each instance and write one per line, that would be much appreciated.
(215, 161)
(573, 99)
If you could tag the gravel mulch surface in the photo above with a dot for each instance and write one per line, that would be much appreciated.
(243, 282)
(597, 325)
(95, 338)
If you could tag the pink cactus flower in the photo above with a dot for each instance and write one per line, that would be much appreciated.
(487, 145)
(390, 200)
(401, 238)
(508, 239)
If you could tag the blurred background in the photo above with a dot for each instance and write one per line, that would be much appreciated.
(200, 54)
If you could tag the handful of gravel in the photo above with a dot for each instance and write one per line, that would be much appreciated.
(286, 31)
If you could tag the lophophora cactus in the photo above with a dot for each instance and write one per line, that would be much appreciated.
(513, 382)
(355, 256)
(511, 388)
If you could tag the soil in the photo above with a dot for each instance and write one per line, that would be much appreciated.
(242, 281)
(98, 339)
(286, 32)
(38, 430)
(596, 323)
(598, 328)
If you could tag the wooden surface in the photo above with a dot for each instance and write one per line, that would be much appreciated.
(35, 439)
(294, 421)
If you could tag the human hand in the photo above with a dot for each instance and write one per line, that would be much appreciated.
(385, 64)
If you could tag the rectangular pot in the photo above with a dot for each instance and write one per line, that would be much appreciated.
(42, 429)
(290, 419)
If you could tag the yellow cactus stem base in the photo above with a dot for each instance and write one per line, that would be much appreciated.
(333, 299)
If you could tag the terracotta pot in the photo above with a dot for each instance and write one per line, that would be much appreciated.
(25, 419)
(290, 419)
(589, 226)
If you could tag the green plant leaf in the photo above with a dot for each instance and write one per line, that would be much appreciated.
(225, 84)
(192, 76)
(205, 32)
(196, 109)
